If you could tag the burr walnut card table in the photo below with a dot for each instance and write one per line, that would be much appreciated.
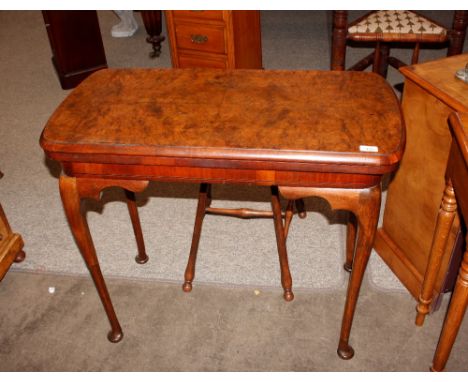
(302, 133)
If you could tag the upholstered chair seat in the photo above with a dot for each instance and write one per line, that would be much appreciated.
(396, 26)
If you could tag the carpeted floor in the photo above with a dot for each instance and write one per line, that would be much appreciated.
(235, 256)
(214, 328)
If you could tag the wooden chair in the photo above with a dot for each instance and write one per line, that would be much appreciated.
(204, 207)
(455, 197)
(384, 28)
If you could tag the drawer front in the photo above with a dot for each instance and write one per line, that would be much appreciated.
(203, 15)
(200, 38)
(202, 61)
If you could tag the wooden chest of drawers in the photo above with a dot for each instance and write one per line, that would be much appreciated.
(215, 39)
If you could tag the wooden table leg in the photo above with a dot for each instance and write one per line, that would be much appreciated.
(365, 204)
(71, 203)
(204, 200)
(286, 280)
(454, 318)
(439, 242)
(351, 230)
(72, 190)
(142, 257)
(366, 208)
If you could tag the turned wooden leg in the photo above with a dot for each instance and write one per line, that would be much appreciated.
(439, 242)
(204, 199)
(153, 25)
(367, 214)
(383, 64)
(350, 242)
(286, 280)
(454, 318)
(415, 56)
(71, 203)
(339, 33)
(377, 55)
(458, 33)
(142, 257)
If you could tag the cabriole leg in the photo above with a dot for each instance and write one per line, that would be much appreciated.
(71, 203)
(367, 214)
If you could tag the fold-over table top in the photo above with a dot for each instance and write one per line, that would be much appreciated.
(349, 118)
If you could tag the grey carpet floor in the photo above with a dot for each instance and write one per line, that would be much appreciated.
(235, 253)
(213, 328)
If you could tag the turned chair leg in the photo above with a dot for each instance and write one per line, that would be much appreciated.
(384, 54)
(339, 33)
(415, 56)
(142, 257)
(458, 33)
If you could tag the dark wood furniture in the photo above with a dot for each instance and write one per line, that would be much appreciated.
(152, 21)
(11, 244)
(119, 129)
(215, 39)
(384, 28)
(455, 197)
(431, 94)
(77, 49)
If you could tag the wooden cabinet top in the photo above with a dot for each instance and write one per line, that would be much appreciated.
(438, 78)
(293, 117)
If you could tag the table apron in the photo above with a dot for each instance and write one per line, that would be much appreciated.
(222, 175)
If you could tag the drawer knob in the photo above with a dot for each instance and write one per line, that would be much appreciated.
(199, 38)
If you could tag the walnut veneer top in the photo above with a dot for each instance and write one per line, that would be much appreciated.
(298, 116)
